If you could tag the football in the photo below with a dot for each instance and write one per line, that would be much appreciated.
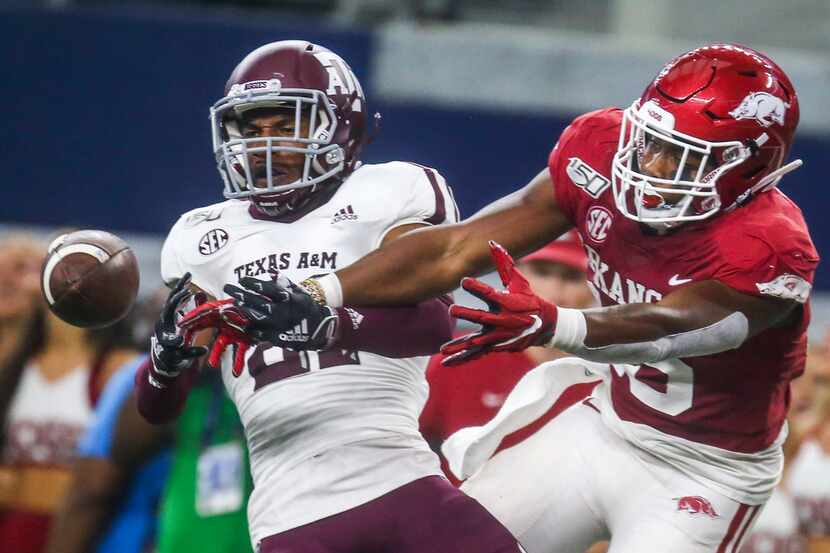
(89, 278)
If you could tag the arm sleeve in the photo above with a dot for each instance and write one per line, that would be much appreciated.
(567, 195)
(156, 404)
(172, 267)
(424, 326)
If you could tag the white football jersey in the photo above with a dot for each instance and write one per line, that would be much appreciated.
(332, 430)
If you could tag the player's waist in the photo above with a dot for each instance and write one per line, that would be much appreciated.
(334, 481)
(282, 451)
(720, 427)
(745, 477)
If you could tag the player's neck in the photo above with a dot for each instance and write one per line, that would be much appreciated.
(313, 202)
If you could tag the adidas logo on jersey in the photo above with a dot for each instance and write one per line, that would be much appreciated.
(344, 214)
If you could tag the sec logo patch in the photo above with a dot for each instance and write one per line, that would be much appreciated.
(597, 223)
(213, 241)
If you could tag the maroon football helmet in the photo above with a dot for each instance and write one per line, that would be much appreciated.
(317, 85)
(726, 115)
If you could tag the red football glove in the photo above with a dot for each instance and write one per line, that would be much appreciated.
(225, 317)
(515, 320)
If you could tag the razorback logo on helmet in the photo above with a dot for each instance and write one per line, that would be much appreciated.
(764, 107)
(597, 223)
(695, 505)
(786, 286)
(340, 76)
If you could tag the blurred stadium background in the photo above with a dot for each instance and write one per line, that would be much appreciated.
(106, 101)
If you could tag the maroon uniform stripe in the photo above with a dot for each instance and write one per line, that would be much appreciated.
(747, 526)
(733, 527)
(440, 206)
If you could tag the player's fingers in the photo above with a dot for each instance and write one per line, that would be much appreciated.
(500, 319)
(239, 358)
(219, 344)
(182, 284)
(193, 352)
(253, 299)
(168, 314)
(464, 356)
(459, 344)
(200, 298)
(255, 318)
(206, 315)
(250, 300)
(235, 318)
(518, 283)
(482, 291)
(503, 261)
(269, 289)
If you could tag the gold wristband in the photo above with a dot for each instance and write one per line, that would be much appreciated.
(313, 288)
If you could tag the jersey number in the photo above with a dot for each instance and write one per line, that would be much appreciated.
(667, 386)
(268, 365)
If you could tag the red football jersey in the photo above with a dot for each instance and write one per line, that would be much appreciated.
(735, 400)
(468, 395)
(472, 393)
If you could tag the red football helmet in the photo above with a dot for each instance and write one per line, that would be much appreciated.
(725, 115)
(318, 85)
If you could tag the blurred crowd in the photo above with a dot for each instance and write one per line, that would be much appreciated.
(81, 471)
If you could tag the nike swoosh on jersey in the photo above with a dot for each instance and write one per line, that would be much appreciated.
(676, 280)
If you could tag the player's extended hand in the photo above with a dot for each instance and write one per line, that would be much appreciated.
(284, 314)
(230, 324)
(515, 318)
(171, 346)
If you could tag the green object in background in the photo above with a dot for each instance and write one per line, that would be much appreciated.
(204, 506)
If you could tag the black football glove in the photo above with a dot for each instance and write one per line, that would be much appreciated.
(284, 314)
(172, 350)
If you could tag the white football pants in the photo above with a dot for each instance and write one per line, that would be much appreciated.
(575, 482)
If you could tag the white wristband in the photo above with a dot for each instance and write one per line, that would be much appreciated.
(570, 332)
(330, 285)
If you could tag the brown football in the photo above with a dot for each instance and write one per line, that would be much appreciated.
(89, 278)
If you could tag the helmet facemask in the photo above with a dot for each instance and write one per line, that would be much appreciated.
(667, 200)
(314, 125)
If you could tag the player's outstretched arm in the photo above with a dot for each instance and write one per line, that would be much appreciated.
(700, 319)
(430, 262)
(163, 381)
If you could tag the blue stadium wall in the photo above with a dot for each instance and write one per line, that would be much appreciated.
(105, 121)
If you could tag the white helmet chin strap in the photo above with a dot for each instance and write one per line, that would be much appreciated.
(767, 183)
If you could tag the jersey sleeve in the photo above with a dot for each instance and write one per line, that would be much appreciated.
(581, 159)
(172, 267)
(567, 195)
(770, 261)
(421, 196)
